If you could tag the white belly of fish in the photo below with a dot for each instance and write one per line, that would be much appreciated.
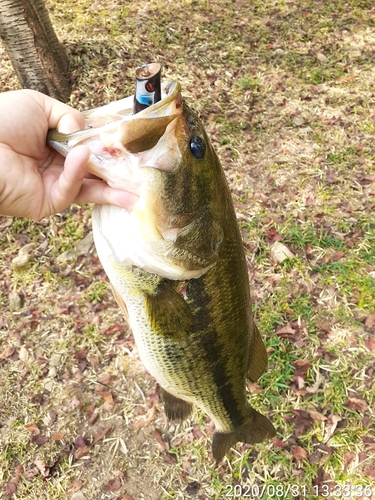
(132, 239)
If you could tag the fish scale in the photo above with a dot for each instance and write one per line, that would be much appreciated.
(177, 266)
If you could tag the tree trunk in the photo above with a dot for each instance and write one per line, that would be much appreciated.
(37, 56)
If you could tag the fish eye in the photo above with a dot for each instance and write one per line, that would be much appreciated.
(197, 147)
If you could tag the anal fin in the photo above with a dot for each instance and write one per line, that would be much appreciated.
(175, 408)
(258, 359)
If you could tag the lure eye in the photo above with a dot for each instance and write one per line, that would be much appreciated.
(197, 147)
(149, 87)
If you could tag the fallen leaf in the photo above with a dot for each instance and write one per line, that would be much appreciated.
(58, 436)
(81, 354)
(349, 456)
(52, 416)
(197, 433)
(145, 422)
(93, 360)
(17, 475)
(100, 434)
(109, 403)
(254, 388)
(272, 235)
(81, 452)
(114, 329)
(356, 404)
(154, 395)
(279, 443)
(161, 444)
(7, 352)
(119, 473)
(113, 484)
(76, 484)
(210, 428)
(92, 414)
(79, 442)
(369, 441)
(315, 457)
(303, 422)
(370, 320)
(42, 467)
(8, 222)
(30, 473)
(82, 364)
(326, 452)
(337, 256)
(169, 459)
(39, 440)
(362, 457)
(33, 428)
(106, 379)
(76, 403)
(41, 360)
(298, 452)
(325, 327)
(331, 424)
(315, 415)
(10, 488)
(177, 441)
(301, 363)
(23, 354)
(285, 331)
(302, 366)
(370, 471)
(370, 343)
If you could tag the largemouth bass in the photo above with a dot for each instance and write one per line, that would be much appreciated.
(176, 261)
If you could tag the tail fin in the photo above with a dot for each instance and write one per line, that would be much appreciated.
(255, 430)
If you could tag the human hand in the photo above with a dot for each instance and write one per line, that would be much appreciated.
(35, 180)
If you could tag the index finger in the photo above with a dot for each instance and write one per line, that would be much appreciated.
(60, 116)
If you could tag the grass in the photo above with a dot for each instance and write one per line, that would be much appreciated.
(294, 133)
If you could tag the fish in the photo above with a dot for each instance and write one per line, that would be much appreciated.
(176, 261)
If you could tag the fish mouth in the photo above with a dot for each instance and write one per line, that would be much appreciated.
(143, 130)
(121, 142)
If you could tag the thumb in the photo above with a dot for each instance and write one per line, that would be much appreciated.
(67, 187)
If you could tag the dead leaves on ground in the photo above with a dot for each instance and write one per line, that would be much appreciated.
(324, 449)
(84, 446)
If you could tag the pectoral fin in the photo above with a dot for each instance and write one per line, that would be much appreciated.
(167, 312)
(120, 302)
(175, 408)
(257, 357)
